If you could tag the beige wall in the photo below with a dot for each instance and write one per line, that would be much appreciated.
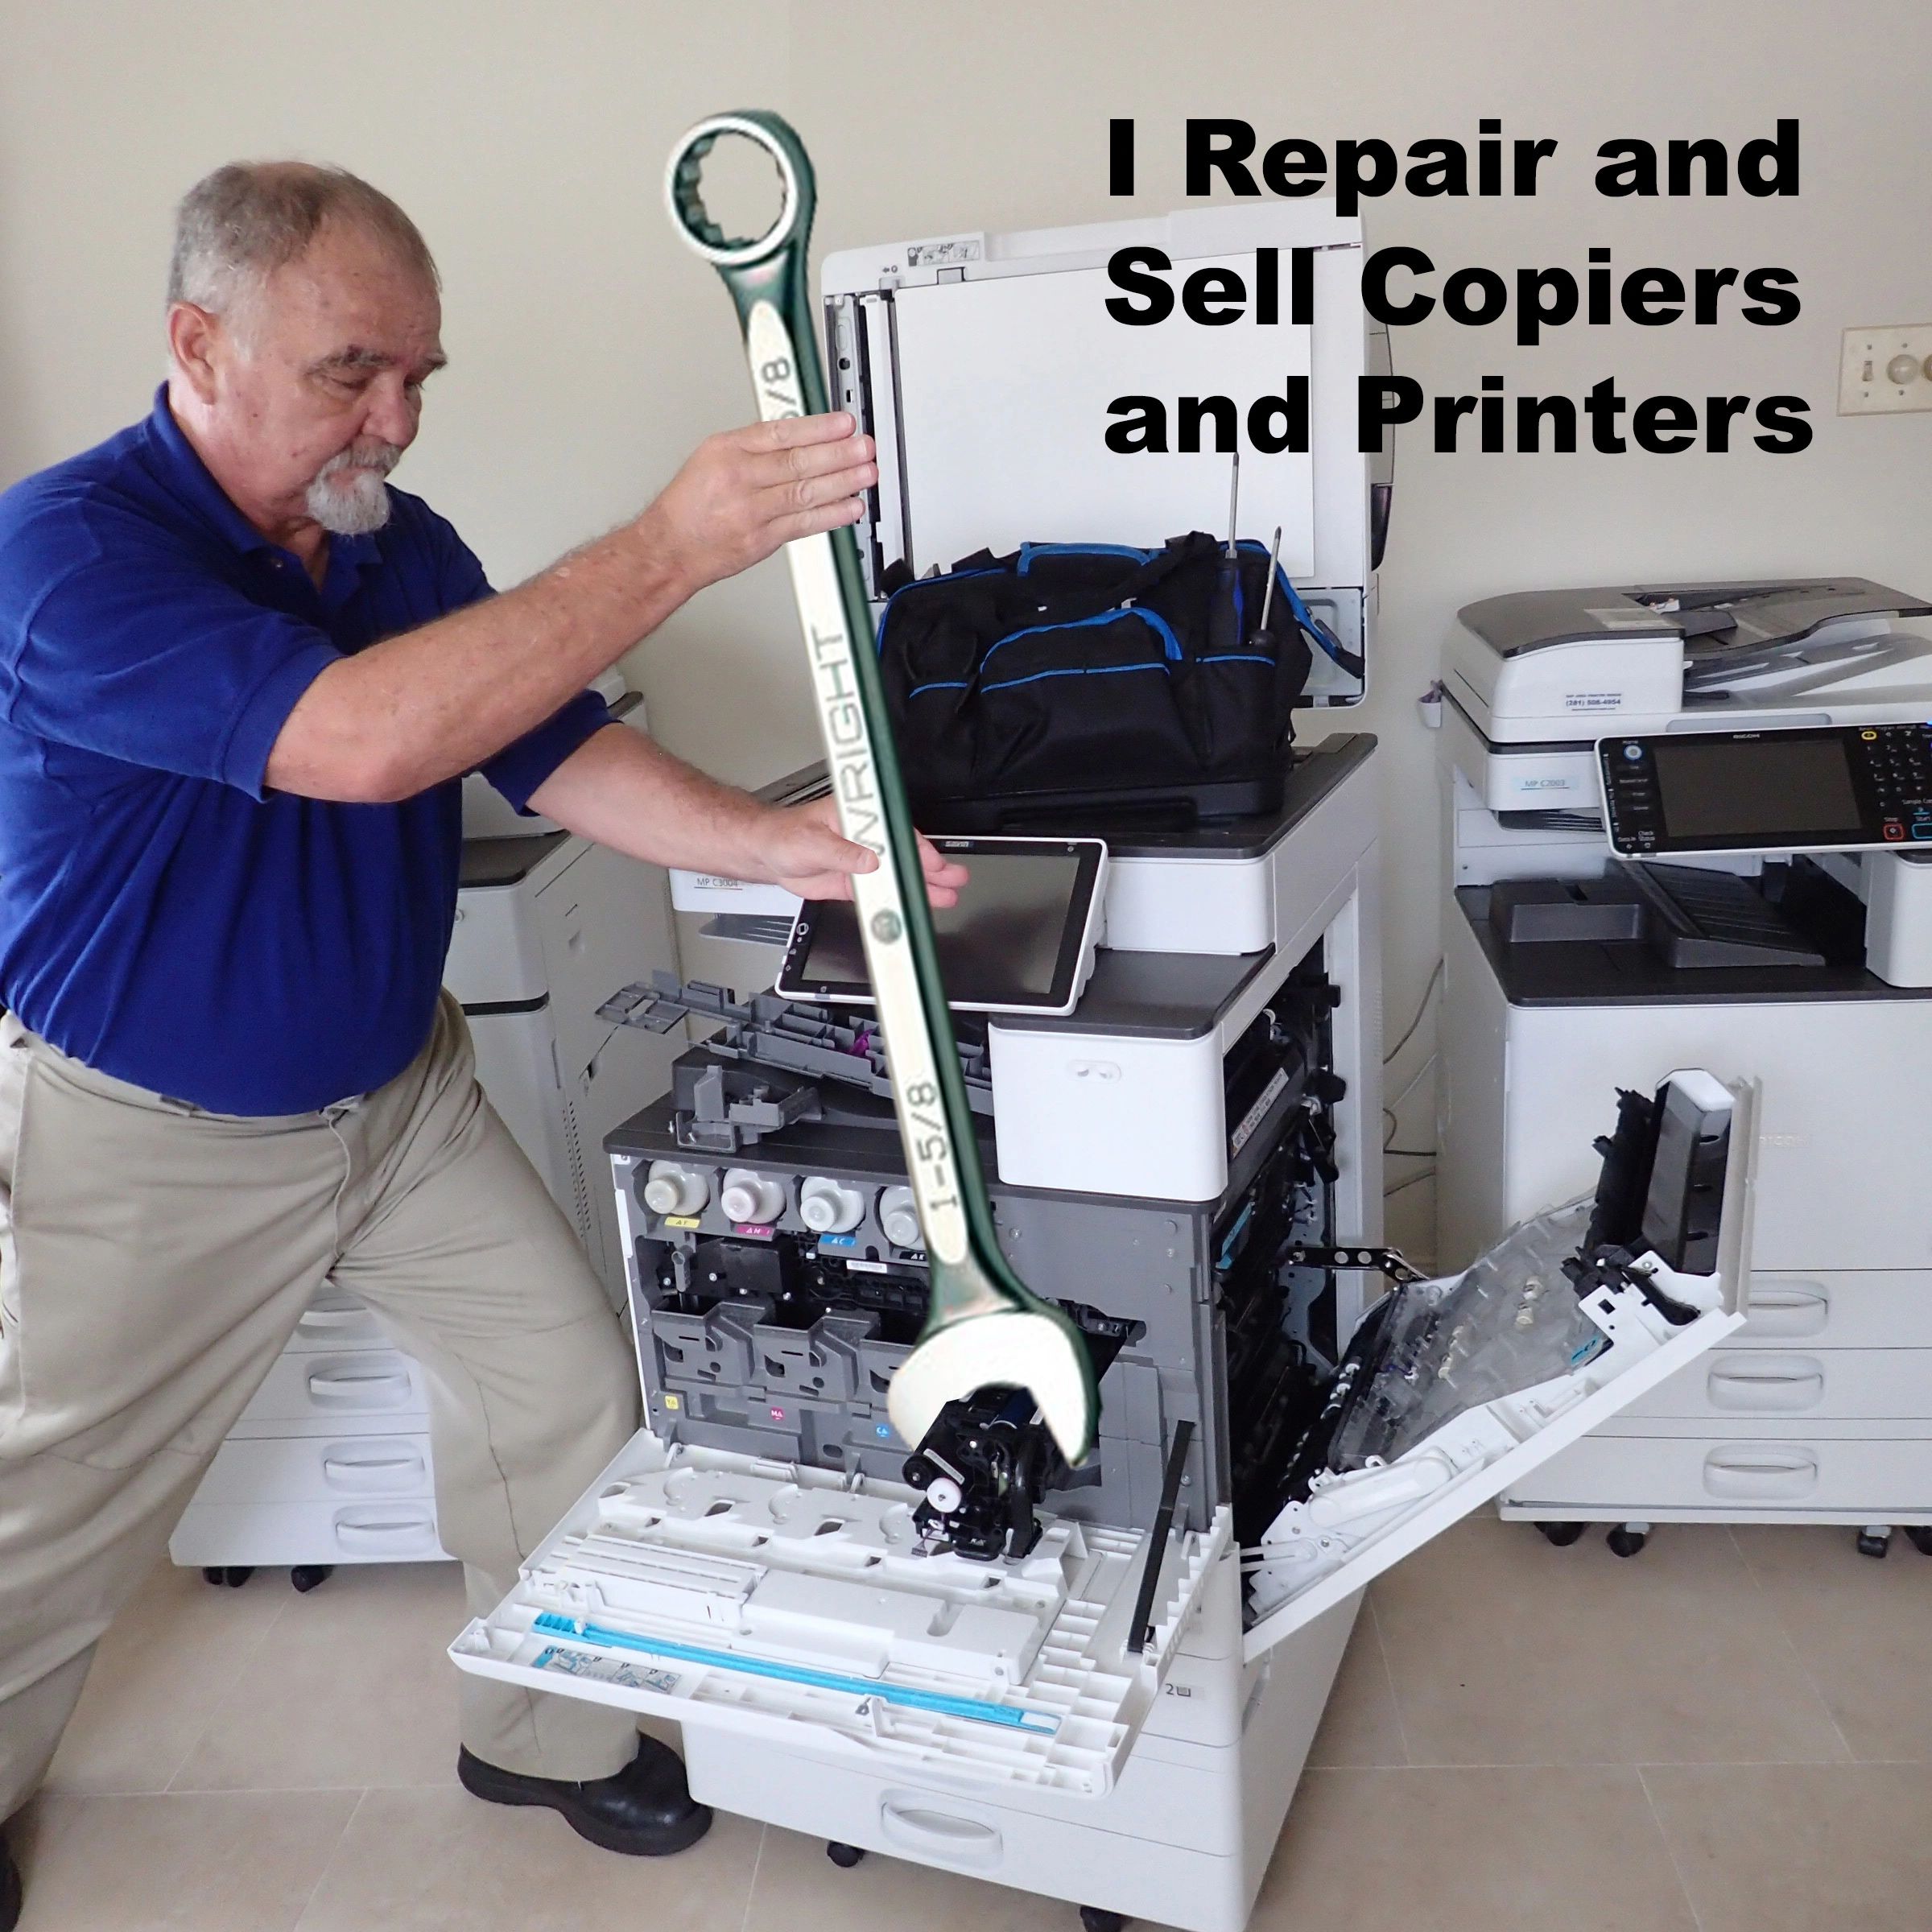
(589, 351)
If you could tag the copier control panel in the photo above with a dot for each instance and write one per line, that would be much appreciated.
(1840, 787)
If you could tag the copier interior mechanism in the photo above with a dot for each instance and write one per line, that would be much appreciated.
(774, 1062)
(1430, 1350)
(780, 1332)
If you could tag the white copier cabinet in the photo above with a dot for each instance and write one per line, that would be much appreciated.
(329, 1463)
(547, 928)
(1821, 1410)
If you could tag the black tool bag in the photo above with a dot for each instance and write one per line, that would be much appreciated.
(1072, 680)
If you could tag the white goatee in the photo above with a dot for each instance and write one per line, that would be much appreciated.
(355, 503)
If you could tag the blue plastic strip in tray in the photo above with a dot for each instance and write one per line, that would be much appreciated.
(975, 1708)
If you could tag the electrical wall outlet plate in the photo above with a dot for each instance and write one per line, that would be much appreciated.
(1885, 369)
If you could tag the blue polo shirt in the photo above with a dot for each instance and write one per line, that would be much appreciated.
(164, 917)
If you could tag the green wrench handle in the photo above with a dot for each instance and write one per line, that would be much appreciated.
(1011, 1328)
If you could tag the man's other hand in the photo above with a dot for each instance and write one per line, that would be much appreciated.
(802, 846)
(744, 492)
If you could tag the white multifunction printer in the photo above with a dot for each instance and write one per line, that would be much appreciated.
(1099, 1684)
(1695, 822)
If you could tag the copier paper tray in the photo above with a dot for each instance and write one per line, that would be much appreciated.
(759, 1597)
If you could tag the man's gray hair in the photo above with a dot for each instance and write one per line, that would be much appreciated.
(236, 227)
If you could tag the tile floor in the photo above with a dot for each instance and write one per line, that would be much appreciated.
(1730, 1733)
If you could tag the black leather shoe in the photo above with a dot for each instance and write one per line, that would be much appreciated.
(10, 1890)
(645, 1809)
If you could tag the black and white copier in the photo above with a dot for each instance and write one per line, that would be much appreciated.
(1693, 822)
(1100, 1683)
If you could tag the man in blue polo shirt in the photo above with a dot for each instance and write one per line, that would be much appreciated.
(240, 678)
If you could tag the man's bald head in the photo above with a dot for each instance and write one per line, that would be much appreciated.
(236, 227)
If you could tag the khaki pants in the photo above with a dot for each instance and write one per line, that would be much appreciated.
(154, 1259)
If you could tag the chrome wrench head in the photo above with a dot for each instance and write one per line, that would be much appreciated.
(683, 183)
(1039, 1352)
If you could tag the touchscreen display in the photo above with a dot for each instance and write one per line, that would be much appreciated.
(1760, 787)
(999, 945)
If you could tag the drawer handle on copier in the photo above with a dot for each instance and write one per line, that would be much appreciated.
(339, 1314)
(354, 1472)
(358, 1390)
(1767, 1386)
(962, 1841)
(1760, 1472)
(384, 1535)
(1788, 1310)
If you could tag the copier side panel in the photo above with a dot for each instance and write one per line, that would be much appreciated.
(1841, 1081)
(1472, 1199)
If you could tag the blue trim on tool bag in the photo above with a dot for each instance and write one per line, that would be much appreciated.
(1161, 628)
(1029, 551)
(925, 584)
(1091, 671)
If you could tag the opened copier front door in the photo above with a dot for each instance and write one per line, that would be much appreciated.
(814, 1609)
(1453, 1389)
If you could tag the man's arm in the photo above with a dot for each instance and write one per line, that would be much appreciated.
(623, 790)
(415, 709)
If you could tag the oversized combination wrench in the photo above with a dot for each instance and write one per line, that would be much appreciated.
(985, 1327)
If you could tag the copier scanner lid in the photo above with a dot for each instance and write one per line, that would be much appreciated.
(1707, 616)
(1550, 666)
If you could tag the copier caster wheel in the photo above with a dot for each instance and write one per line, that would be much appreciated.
(1097, 1918)
(843, 1856)
(1921, 1534)
(1624, 1541)
(1562, 1534)
(1874, 1541)
(305, 1576)
(234, 1575)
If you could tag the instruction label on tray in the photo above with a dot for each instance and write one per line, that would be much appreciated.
(611, 1670)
